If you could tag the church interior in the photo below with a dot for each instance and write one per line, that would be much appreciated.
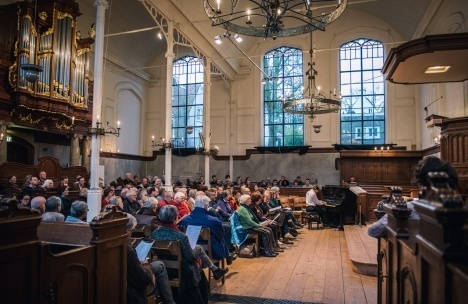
(344, 99)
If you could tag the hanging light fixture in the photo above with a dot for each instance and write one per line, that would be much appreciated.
(270, 18)
(31, 69)
(314, 101)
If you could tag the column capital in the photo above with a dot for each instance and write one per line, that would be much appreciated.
(169, 55)
(103, 3)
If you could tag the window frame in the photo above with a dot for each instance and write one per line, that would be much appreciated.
(184, 92)
(371, 95)
(279, 87)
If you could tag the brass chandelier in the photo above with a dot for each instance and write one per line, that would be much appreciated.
(270, 18)
(314, 101)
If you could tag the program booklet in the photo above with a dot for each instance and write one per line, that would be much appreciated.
(143, 248)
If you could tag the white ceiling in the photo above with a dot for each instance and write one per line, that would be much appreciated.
(141, 50)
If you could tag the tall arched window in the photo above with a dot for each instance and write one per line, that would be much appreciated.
(284, 66)
(187, 101)
(363, 90)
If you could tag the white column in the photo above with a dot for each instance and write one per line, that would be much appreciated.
(168, 132)
(94, 194)
(206, 114)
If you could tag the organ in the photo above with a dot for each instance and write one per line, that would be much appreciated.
(44, 34)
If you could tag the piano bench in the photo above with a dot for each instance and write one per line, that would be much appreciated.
(311, 217)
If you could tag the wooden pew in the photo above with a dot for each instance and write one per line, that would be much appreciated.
(50, 165)
(62, 262)
(425, 260)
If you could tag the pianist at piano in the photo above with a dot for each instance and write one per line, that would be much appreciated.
(313, 204)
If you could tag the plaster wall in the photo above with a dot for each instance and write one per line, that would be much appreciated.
(450, 17)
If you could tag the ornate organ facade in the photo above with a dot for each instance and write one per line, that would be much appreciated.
(44, 34)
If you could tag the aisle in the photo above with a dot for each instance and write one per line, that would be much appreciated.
(315, 269)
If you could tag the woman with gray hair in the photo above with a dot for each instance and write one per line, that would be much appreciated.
(48, 185)
(116, 201)
(170, 232)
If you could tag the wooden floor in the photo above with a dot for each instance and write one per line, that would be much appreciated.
(316, 268)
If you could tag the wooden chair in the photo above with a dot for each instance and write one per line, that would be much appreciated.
(284, 201)
(170, 253)
(299, 207)
(205, 242)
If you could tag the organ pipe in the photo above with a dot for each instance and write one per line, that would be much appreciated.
(53, 44)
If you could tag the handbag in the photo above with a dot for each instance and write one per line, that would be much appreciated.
(248, 251)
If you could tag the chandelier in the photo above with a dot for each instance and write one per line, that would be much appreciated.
(314, 101)
(270, 18)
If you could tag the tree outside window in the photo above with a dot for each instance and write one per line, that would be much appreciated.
(187, 101)
(363, 89)
(284, 65)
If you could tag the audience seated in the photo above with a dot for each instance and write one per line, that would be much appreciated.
(78, 213)
(251, 225)
(201, 217)
(25, 202)
(144, 278)
(170, 232)
(38, 204)
(116, 201)
(52, 210)
(108, 193)
(48, 184)
(41, 178)
(147, 214)
(130, 204)
(11, 186)
(62, 192)
(178, 202)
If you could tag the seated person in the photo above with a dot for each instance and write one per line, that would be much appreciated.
(201, 217)
(313, 204)
(143, 277)
(62, 192)
(78, 213)
(225, 210)
(260, 214)
(38, 204)
(131, 204)
(426, 165)
(48, 185)
(283, 218)
(170, 232)
(179, 203)
(25, 202)
(251, 225)
(115, 201)
(52, 213)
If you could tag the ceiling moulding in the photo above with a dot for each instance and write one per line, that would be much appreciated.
(170, 12)
(406, 63)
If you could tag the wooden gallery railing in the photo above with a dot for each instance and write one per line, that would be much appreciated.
(62, 262)
(425, 260)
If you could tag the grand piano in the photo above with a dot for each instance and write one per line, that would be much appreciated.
(341, 205)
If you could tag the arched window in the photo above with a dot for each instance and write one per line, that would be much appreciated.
(285, 68)
(363, 89)
(187, 101)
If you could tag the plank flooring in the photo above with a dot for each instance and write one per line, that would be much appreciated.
(315, 269)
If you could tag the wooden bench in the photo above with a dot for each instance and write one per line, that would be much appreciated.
(62, 262)
(50, 165)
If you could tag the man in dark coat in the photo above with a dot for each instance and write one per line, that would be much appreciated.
(201, 217)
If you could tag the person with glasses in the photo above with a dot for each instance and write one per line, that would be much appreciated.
(25, 202)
